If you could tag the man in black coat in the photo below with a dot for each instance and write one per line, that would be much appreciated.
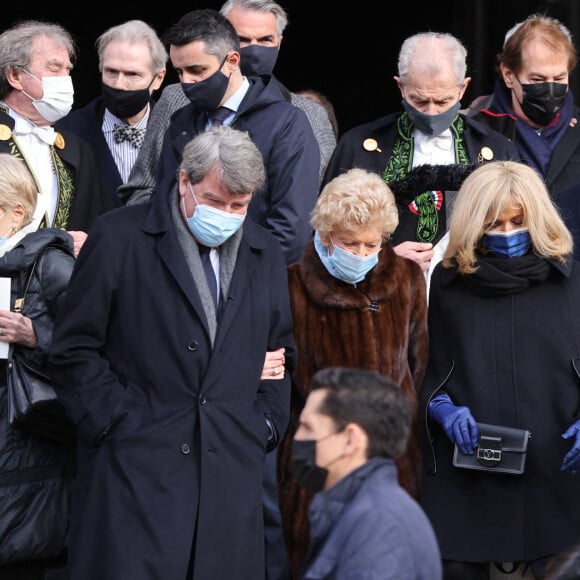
(430, 130)
(167, 382)
(132, 62)
(212, 80)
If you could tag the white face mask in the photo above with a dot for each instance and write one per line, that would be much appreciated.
(57, 97)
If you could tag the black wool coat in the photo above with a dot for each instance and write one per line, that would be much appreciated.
(172, 434)
(513, 360)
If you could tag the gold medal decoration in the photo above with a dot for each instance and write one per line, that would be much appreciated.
(486, 153)
(59, 141)
(5, 132)
(371, 145)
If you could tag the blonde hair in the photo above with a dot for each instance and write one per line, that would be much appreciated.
(355, 201)
(485, 194)
(17, 186)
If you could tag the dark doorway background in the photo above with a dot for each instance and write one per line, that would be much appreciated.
(349, 54)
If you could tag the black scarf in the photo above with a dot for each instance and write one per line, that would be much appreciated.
(501, 276)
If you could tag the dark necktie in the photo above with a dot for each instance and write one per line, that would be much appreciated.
(128, 133)
(209, 272)
(218, 116)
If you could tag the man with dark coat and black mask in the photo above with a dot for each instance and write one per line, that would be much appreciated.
(132, 62)
(205, 51)
(532, 103)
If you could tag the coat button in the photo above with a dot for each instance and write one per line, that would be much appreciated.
(185, 449)
(192, 345)
(202, 399)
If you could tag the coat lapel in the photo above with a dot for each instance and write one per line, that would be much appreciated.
(159, 223)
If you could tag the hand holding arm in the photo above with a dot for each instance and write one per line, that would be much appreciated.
(419, 252)
(79, 238)
(457, 422)
(274, 368)
(572, 458)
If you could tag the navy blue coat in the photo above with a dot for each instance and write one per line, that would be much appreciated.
(285, 139)
(172, 435)
(368, 526)
(568, 202)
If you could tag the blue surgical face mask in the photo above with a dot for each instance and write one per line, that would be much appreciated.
(211, 226)
(507, 244)
(344, 265)
(431, 124)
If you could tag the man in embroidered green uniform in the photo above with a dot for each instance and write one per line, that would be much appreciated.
(431, 130)
(36, 90)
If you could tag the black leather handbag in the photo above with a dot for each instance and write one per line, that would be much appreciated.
(32, 401)
(500, 450)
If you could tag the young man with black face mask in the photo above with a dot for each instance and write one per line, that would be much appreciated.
(532, 103)
(363, 524)
(430, 130)
(204, 49)
(132, 61)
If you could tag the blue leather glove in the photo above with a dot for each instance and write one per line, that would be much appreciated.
(457, 422)
(572, 458)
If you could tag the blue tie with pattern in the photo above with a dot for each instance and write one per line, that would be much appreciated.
(209, 272)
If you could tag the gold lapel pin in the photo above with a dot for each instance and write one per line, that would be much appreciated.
(59, 141)
(486, 153)
(5, 132)
(371, 145)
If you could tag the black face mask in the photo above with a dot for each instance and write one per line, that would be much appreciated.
(125, 104)
(256, 59)
(304, 468)
(208, 94)
(431, 124)
(541, 102)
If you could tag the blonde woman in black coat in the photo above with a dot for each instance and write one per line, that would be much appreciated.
(504, 335)
(35, 470)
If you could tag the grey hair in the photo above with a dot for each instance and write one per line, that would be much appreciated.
(231, 154)
(16, 47)
(259, 6)
(134, 31)
(424, 49)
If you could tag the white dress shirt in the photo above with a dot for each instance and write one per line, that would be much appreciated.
(124, 153)
(433, 150)
(35, 143)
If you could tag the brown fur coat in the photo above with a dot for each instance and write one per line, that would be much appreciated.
(380, 324)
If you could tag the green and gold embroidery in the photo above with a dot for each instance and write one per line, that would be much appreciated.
(401, 163)
(65, 182)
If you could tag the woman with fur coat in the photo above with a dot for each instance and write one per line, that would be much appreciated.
(355, 304)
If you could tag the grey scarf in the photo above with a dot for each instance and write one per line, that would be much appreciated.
(228, 257)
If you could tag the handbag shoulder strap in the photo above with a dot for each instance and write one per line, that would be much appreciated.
(19, 302)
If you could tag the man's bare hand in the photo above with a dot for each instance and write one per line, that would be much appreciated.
(78, 239)
(417, 251)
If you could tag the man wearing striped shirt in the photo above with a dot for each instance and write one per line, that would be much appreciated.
(132, 61)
